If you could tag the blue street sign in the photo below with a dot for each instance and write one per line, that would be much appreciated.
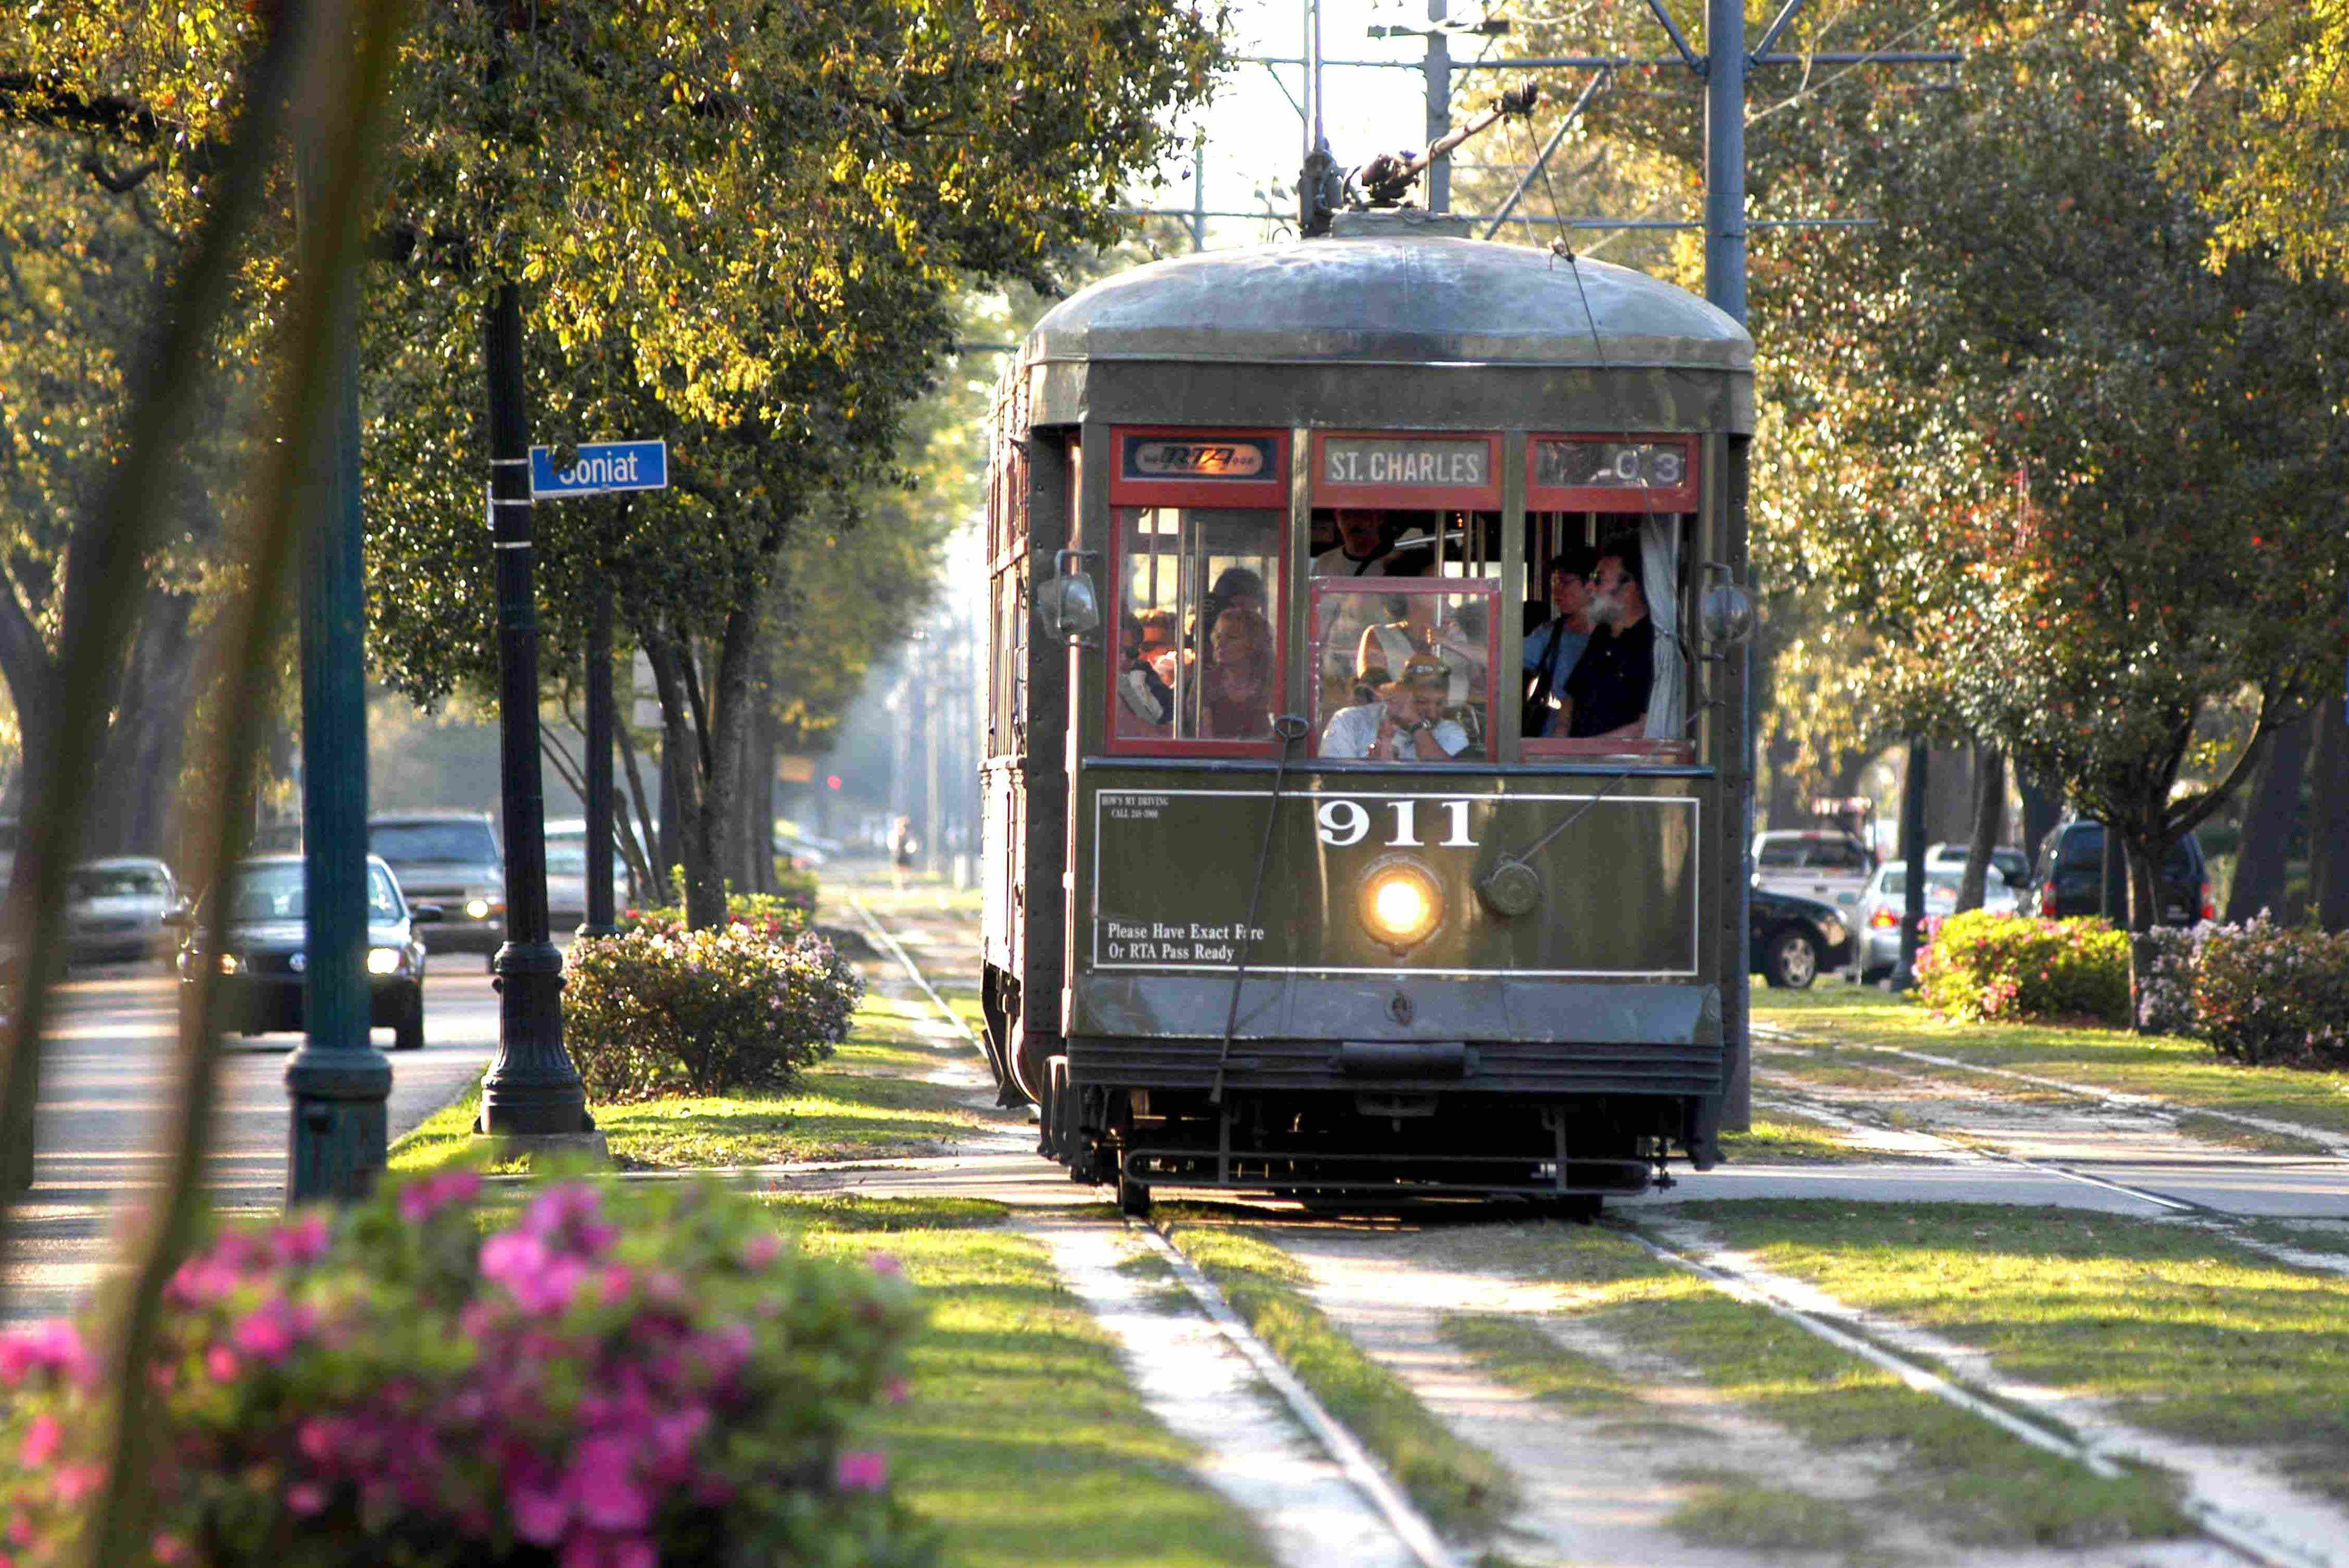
(603, 467)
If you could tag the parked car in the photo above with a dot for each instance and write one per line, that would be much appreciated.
(1794, 939)
(451, 859)
(261, 962)
(1812, 862)
(1886, 900)
(2071, 878)
(117, 909)
(2013, 864)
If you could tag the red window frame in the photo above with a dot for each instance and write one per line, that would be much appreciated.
(1681, 497)
(1232, 495)
(1487, 589)
(1415, 497)
(1270, 493)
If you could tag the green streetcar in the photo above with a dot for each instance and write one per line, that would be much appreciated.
(1326, 853)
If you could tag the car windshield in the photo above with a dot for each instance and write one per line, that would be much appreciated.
(422, 843)
(117, 882)
(274, 892)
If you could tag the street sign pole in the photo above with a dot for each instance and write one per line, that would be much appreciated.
(337, 1081)
(532, 1089)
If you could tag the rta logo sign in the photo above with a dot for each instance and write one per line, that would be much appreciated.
(1342, 824)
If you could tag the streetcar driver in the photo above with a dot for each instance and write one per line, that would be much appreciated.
(1406, 723)
(1362, 545)
(1607, 695)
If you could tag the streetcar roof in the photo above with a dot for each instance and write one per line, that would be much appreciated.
(1391, 300)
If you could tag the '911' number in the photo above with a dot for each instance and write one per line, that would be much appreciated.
(1342, 824)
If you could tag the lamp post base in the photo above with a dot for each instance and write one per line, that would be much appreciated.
(531, 1091)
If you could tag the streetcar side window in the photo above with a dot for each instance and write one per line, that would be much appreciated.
(1594, 688)
(1197, 655)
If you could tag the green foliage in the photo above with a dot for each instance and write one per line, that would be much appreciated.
(2271, 126)
(775, 917)
(647, 1014)
(610, 1374)
(1984, 966)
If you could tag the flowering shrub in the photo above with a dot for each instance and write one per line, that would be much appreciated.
(1984, 965)
(776, 917)
(647, 1012)
(2265, 993)
(2165, 999)
(605, 1379)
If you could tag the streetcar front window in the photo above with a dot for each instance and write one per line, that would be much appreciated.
(1395, 660)
(1197, 653)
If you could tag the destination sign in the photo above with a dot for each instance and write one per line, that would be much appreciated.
(1393, 460)
(1222, 458)
(1609, 465)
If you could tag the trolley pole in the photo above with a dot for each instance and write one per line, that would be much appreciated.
(1439, 104)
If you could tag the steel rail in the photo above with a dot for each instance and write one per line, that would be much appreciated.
(2239, 1535)
(915, 970)
(1354, 1462)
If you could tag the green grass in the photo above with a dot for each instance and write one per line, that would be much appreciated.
(2204, 1127)
(1972, 1482)
(1515, 1351)
(1023, 1441)
(1790, 1138)
(1838, 1018)
(1463, 1489)
(2187, 1333)
(1727, 1508)
(866, 1102)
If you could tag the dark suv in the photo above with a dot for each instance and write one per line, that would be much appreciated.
(2071, 877)
(451, 859)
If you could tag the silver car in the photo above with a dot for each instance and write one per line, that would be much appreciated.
(1886, 899)
(116, 909)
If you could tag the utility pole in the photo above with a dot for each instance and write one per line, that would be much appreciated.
(1439, 104)
(337, 1082)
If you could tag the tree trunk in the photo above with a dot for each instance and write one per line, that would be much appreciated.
(704, 730)
(668, 848)
(1949, 799)
(2144, 854)
(2270, 815)
(1989, 822)
(2041, 808)
(2328, 825)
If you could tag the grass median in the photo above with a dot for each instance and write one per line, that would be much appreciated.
(1842, 1021)
(871, 1099)
(1970, 1482)
(1463, 1490)
(1023, 1439)
(2187, 1332)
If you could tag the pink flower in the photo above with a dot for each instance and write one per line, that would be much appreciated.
(861, 1470)
(54, 1346)
(303, 1240)
(541, 1513)
(269, 1331)
(883, 1263)
(74, 1482)
(762, 1250)
(167, 1549)
(603, 1487)
(43, 1439)
(306, 1498)
(896, 1391)
(222, 1362)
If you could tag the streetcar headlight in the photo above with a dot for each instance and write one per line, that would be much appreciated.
(1401, 904)
(229, 964)
(383, 960)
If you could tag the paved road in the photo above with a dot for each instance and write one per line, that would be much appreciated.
(105, 1086)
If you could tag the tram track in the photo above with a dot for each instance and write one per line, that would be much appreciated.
(2011, 1408)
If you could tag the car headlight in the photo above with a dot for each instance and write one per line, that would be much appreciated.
(229, 964)
(1400, 904)
(383, 960)
(480, 908)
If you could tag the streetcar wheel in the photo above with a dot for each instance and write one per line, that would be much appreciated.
(1791, 961)
(1581, 1208)
(1132, 1198)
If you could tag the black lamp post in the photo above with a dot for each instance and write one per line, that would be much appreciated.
(532, 1089)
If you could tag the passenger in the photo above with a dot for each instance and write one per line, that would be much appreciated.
(1405, 725)
(1553, 649)
(1387, 646)
(1146, 686)
(1236, 586)
(1362, 545)
(1607, 695)
(1237, 683)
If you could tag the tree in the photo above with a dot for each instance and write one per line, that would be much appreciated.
(2268, 128)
